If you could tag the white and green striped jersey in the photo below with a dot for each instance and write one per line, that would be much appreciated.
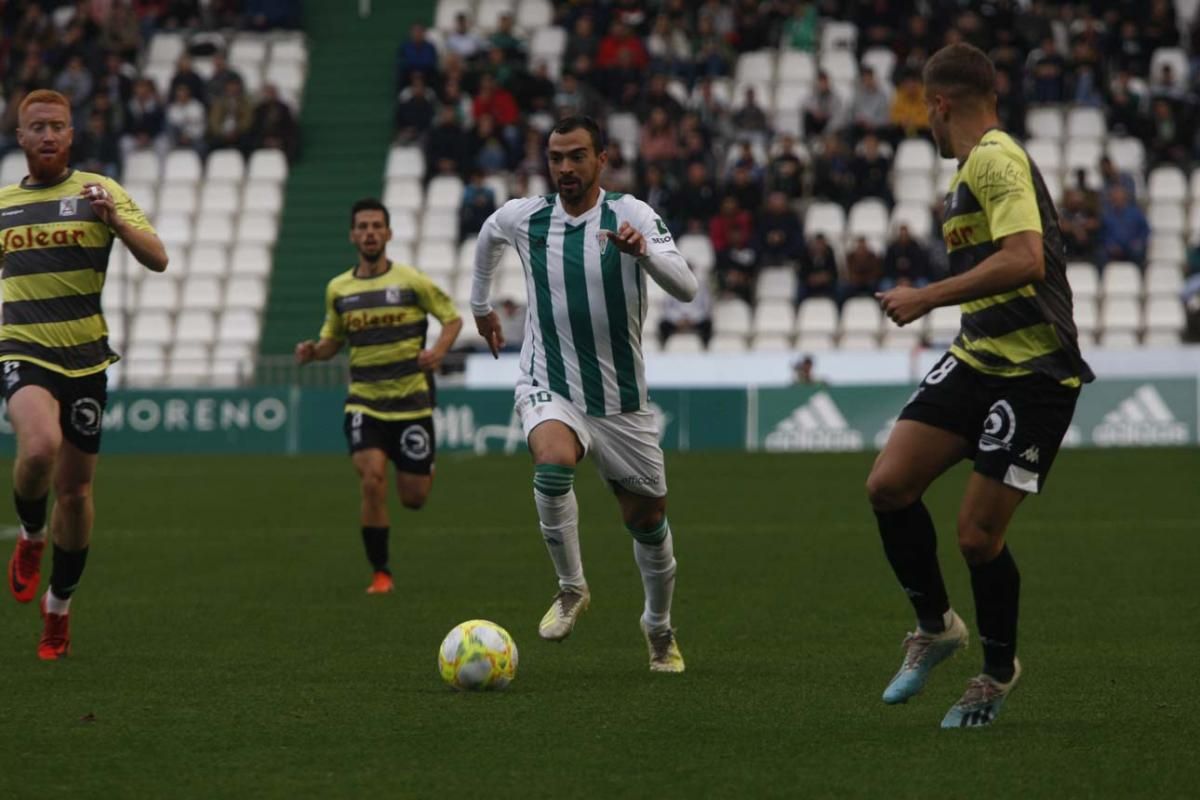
(586, 299)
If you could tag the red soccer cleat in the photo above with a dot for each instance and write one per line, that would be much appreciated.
(381, 584)
(56, 635)
(25, 569)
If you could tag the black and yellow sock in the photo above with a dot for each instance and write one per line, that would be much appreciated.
(375, 541)
(997, 588)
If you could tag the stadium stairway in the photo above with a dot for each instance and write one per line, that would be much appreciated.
(346, 129)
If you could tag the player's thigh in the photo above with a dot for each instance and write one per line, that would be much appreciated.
(987, 509)
(557, 432)
(412, 449)
(413, 489)
(641, 511)
(630, 459)
(915, 454)
(33, 411)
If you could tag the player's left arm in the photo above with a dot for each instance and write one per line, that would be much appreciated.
(645, 236)
(434, 301)
(1004, 186)
(116, 209)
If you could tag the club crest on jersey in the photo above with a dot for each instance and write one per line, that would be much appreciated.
(392, 294)
(68, 206)
(602, 240)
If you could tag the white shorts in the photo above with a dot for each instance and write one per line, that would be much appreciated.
(624, 446)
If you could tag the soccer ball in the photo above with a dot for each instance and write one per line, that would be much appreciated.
(478, 655)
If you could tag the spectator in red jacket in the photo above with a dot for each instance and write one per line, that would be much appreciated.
(619, 39)
(730, 216)
(495, 101)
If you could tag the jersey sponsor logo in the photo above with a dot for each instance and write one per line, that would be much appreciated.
(816, 425)
(960, 236)
(12, 212)
(661, 239)
(662, 229)
(16, 239)
(86, 416)
(1142, 418)
(68, 206)
(998, 427)
(365, 319)
(414, 443)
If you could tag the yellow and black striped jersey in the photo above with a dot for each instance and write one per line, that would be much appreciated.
(997, 192)
(55, 253)
(382, 318)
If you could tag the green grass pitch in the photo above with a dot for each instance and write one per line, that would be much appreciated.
(223, 645)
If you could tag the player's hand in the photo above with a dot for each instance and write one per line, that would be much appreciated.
(903, 305)
(306, 351)
(102, 202)
(628, 239)
(430, 360)
(489, 328)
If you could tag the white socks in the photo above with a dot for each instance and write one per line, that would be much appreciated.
(40, 536)
(657, 565)
(559, 517)
(56, 606)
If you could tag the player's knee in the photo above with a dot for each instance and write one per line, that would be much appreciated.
(553, 480)
(978, 542)
(413, 499)
(886, 493)
(38, 453)
(374, 486)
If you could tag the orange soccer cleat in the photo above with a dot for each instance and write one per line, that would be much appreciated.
(56, 635)
(25, 569)
(381, 584)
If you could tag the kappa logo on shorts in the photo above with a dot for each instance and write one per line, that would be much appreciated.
(999, 427)
(1031, 454)
(414, 443)
(86, 416)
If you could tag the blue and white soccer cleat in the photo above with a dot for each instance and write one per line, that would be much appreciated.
(981, 703)
(922, 652)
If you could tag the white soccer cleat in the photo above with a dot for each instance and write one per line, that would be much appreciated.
(559, 620)
(922, 652)
(981, 703)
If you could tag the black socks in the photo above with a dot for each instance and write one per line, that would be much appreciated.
(66, 572)
(910, 542)
(997, 588)
(375, 540)
(31, 513)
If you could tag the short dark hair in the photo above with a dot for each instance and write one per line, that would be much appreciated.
(961, 69)
(576, 121)
(370, 204)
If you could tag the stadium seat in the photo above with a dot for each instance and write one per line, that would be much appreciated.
(775, 316)
(1167, 184)
(177, 198)
(447, 10)
(246, 292)
(436, 256)
(915, 155)
(756, 67)
(219, 196)
(404, 225)
(499, 188)
(1044, 122)
(289, 50)
(826, 218)
(1046, 154)
(914, 187)
(248, 48)
(840, 65)
(144, 364)
(1178, 60)
(1086, 122)
(725, 344)
(511, 284)
(1053, 186)
(1127, 153)
(772, 343)
(1086, 317)
(1082, 154)
(1121, 279)
(201, 293)
(256, 227)
(182, 166)
(195, 326)
(271, 165)
(188, 365)
(444, 191)
(817, 316)
(13, 168)
(238, 326)
(861, 315)
(797, 66)
(142, 166)
(1083, 279)
(916, 216)
(214, 227)
(1167, 217)
(858, 340)
(250, 259)
(1166, 247)
(210, 260)
(623, 127)
(684, 343)
(174, 229)
(838, 35)
(789, 99)
(1161, 339)
(1163, 279)
(906, 338)
(698, 250)
(263, 196)
(1165, 314)
(151, 327)
(547, 44)
(1121, 314)
(404, 193)
(534, 14)
(116, 327)
(731, 317)
(944, 324)
(810, 342)
(160, 295)
(165, 48)
(776, 284)
(868, 218)
(487, 15)
(439, 225)
(882, 60)
(225, 165)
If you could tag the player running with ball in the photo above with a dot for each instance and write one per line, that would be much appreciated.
(586, 254)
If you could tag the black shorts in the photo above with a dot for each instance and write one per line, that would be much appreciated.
(409, 443)
(81, 401)
(1013, 425)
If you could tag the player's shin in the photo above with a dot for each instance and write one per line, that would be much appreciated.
(910, 543)
(375, 544)
(654, 552)
(558, 513)
(997, 589)
(31, 513)
(65, 575)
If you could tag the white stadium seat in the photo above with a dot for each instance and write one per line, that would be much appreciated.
(772, 343)
(404, 193)
(1178, 60)
(214, 227)
(263, 196)
(436, 256)
(817, 316)
(755, 67)
(165, 48)
(144, 364)
(868, 218)
(731, 316)
(775, 317)
(188, 365)
(219, 196)
(1087, 318)
(684, 343)
(444, 191)
(202, 293)
(238, 326)
(245, 292)
(1047, 154)
(439, 224)
(142, 166)
(404, 225)
(182, 166)
(1121, 279)
(177, 198)
(1083, 279)
(1165, 314)
(840, 65)
(944, 323)
(406, 162)
(1121, 314)
(1167, 217)
(1086, 123)
(725, 344)
(1166, 247)
(151, 327)
(1163, 279)
(915, 155)
(196, 326)
(826, 218)
(225, 165)
(447, 10)
(916, 216)
(883, 61)
(1167, 183)
(914, 187)
(292, 50)
(861, 315)
(269, 165)
(1082, 154)
(209, 259)
(698, 250)
(487, 15)
(1127, 153)
(547, 44)
(797, 66)
(838, 35)
(534, 14)
(1044, 122)
(256, 227)
(250, 259)
(159, 295)
(248, 48)
(776, 283)
(174, 229)
(13, 168)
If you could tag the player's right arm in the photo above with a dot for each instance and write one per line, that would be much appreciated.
(494, 236)
(333, 333)
(116, 209)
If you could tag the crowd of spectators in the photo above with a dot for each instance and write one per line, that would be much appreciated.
(480, 108)
(90, 51)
